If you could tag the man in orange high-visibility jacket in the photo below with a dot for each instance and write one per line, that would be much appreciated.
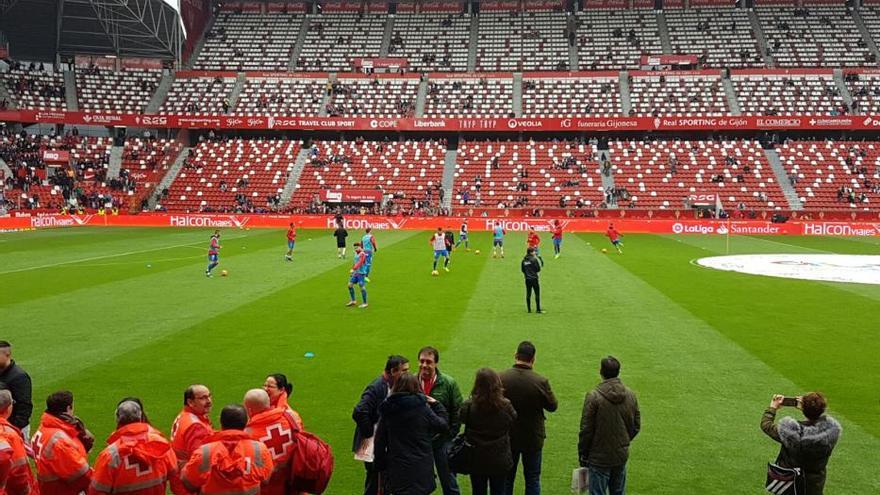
(192, 426)
(61, 447)
(138, 459)
(230, 463)
(275, 427)
(20, 480)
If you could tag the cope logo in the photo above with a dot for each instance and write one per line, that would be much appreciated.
(382, 124)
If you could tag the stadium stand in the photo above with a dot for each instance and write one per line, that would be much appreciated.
(334, 39)
(299, 97)
(722, 36)
(36, 89)
(468, 97)
(678, 95)
(789, 94)
(146, 162)
(126, 91)
(735, 170)
(530, 174)
(514, 41)
(574, 96)
(198, 95)
(373, 97)
(829, 175)
(616, 39)
(239, 175)
(407, 171)
(245, 41)
(432, 42)
(865, 92)
(818, 35)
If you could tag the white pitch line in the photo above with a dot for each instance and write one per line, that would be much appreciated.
(93, 258)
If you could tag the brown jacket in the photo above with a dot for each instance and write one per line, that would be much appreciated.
(530, 395)
(610, 420)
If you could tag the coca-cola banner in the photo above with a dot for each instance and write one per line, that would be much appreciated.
(96, 60)
(442, 6)
(220, 221)
(607, 4)
(499, 6)
(533, 5)
(141, 63)
(351, 196)
(379, 63)
(669, 60)
(341, 6)
(473, 124)
(56, 156)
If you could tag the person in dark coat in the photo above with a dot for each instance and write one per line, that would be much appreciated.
(366, 415)
(487, 418)
(609, 421)
(18, 382)
(530, 395)
(805, 444)
(530, 267)
(408, 422)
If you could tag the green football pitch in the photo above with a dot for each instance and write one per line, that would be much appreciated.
(109, 313)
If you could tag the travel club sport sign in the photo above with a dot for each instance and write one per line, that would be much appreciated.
(476, 124)
(221, 221)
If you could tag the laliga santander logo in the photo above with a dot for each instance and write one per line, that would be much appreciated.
(680, 228)
(722, 230)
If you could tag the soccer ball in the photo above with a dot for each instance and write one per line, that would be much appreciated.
(435, 273)
(224, 273)
(477, 251)
(604, 251)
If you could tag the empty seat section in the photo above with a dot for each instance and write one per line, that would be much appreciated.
(334, 39)
(571, 97)
(514, 41)
(678, 95)
(723, 36)
(616, 39)
(788, 95)
(250, 41)
(469, 97)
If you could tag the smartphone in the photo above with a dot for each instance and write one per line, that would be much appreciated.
(789, 401)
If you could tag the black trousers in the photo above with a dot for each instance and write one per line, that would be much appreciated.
(533, 285)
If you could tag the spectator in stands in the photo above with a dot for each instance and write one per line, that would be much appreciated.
(609, 422)
(404, 453)
(18, 382)
(804, 444)
(487, 417)
(136, 441)
(366, 413)
(530, 395)
(237, 463)
(66, 471)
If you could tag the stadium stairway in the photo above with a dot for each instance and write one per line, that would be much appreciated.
(663, 29)
(794, 202)
(293, 177)
(625, 96)
(160, 95)
(115, 162)
(4, 95)
(300, 42)
(517, 94)
(759, 36)
(841, 86)
(608, 181)
(197, 50)
(449, 177)
(237, 89)
(332, 77)
(70, 91)
(173, 172)
(386, 36)
(866, 35)
(573, 60)
(472, 44)
(4, 167)
(421, 97)
(732, 100)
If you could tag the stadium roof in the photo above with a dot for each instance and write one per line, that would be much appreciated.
(40, 29)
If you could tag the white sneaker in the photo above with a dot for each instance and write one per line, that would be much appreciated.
(362, 306)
